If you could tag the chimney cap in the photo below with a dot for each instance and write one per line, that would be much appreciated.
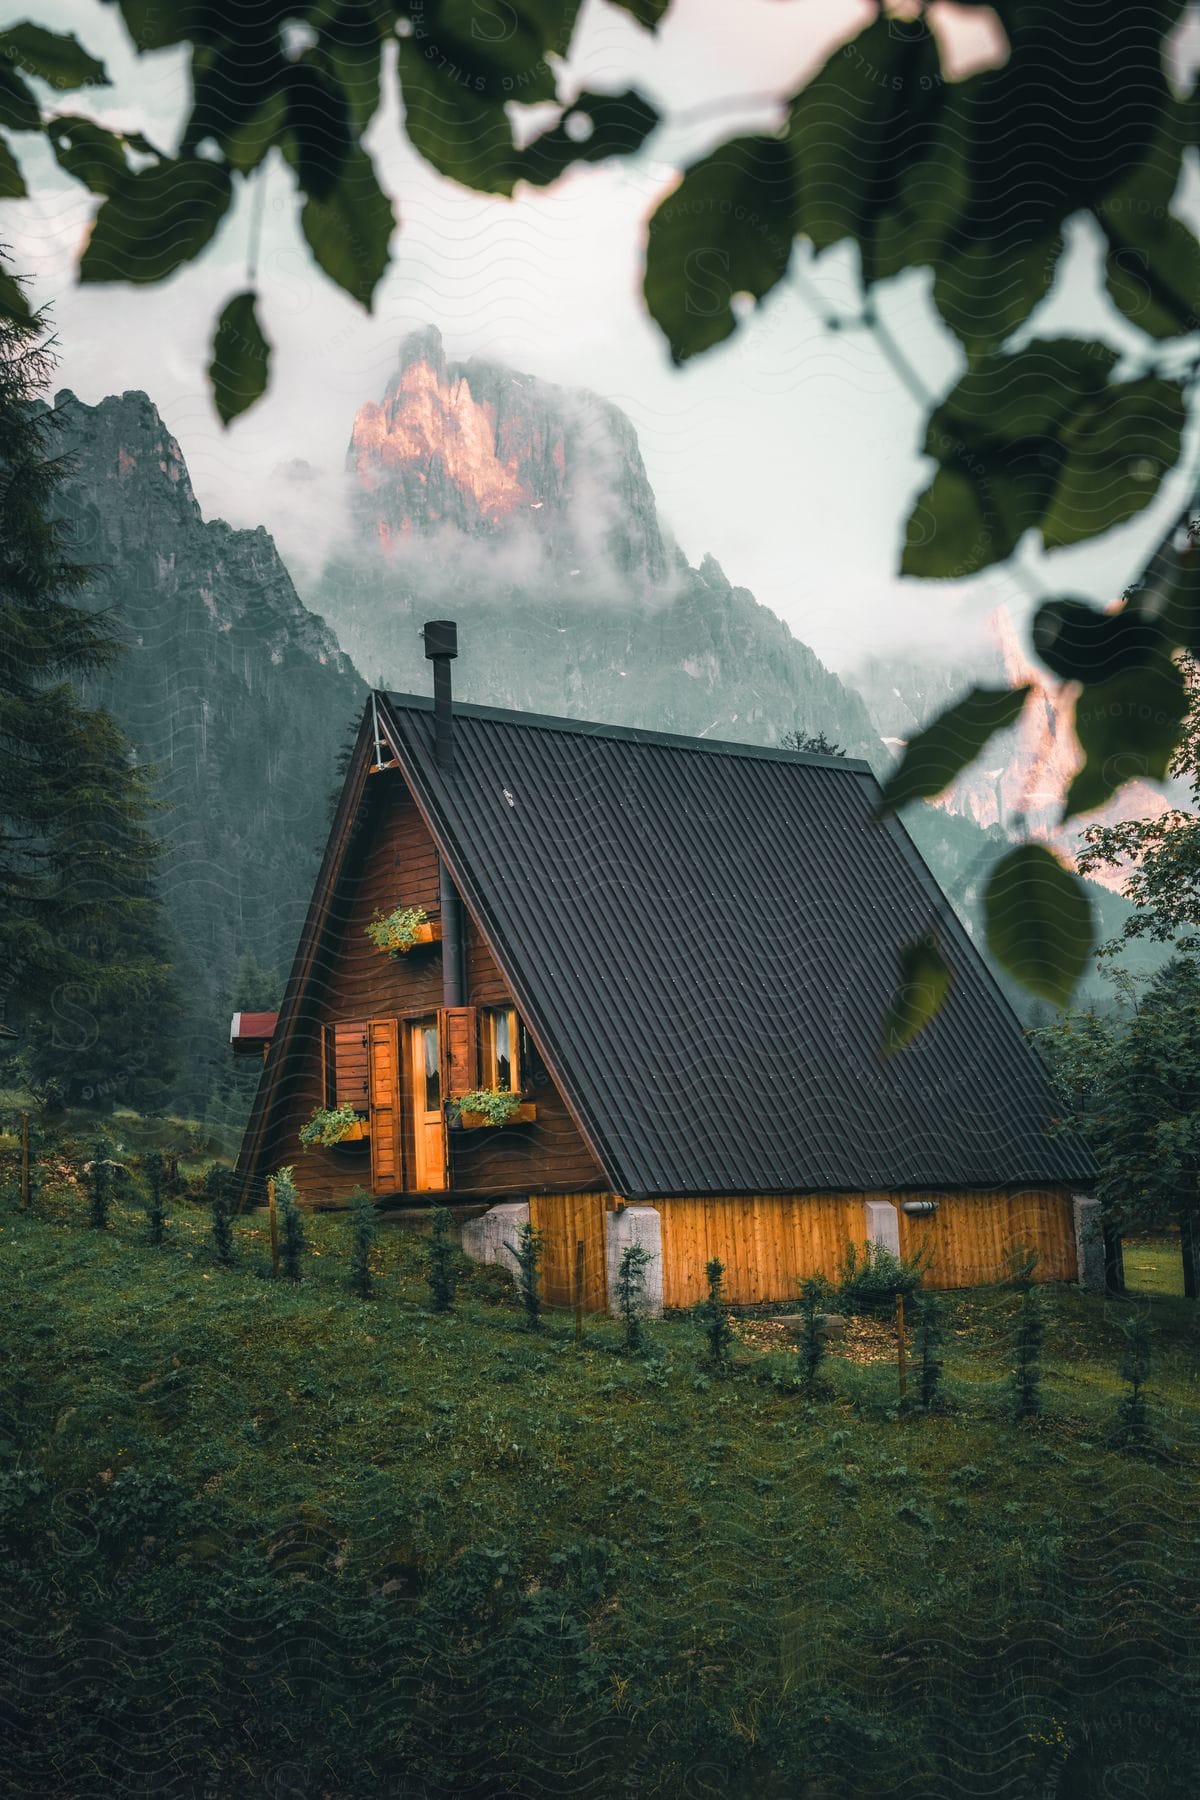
(441, 638)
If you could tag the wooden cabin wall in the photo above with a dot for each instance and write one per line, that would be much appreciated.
(396, 865)
(565, 1220)
(769, 1243)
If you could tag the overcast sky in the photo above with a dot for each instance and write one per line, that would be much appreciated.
(791, 453)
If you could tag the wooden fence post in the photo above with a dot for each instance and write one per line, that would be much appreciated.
(579, 1290)
(901, 1345)
(274, 1226)
(25, 1159)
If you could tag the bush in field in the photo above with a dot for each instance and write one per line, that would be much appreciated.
(216, 1190)
(930, 1335)
(814, 1296)
(101, 1180)
(292, 1242)
(631, 1292)
(713, 1312)
(870, 1276)
(1026, 1380)
(1133, 1423)
(528, 1252)
(362, 1238)
(154, 1165)
(442, 1266)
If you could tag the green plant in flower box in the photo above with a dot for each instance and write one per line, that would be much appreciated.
(496, 1105)
(397, 931)
(329, 1125)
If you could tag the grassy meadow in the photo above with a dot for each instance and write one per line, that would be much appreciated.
(270, 1537)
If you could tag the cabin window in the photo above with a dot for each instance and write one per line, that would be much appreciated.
(433, 1081)
(502, 1049)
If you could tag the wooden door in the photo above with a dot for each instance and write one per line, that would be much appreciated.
(429, 1118)
(384, 1069)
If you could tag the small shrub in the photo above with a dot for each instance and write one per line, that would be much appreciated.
(528, 1252)
(1133, 1423)
(930, 1335)
(1026, 1383)
(631, 1292)
(870, 1276)
(155, 1168)
(1020, 1262)
(292, 1243)
(713, 1313)
(101, 1174)
(216, 1190)
(362, 1238)
(814, 1295)
(442, 1267)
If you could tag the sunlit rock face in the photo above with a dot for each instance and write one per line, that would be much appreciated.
(491, 453)
(524, 511)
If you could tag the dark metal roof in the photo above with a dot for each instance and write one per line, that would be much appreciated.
(704, 938)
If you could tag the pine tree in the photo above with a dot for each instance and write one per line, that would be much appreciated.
(292, 1242)
(714, 1315)
(1027, 1372)
(362, 1226)
(1133, 1424)
(442, 1267)
(216, 1187)
(155, 1167)
(82, 962)
(814, 1293)
(631, 1292)
(528, 1253)
(100, 1173)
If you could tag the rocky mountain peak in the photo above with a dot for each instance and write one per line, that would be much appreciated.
(485, 451)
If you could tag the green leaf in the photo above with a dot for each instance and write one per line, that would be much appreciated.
(12, 182)
(647, 12)
(154, 222)
(856, 129)
(1118, 448)
(1078, 642)
(87, 152)
(966, 520)
(1028, 393)
(247, 144)
(349, 231)
(1128, 728)
(1153, 276)
(461, 132)
(925, 979)
(985, 290)
(241, 358)
(499, 50)
(19, 111)
(725, 230)
(616, 125)
(57, 58)
(1039, 921)
(154, 24)
(319, 135)
(933, 758)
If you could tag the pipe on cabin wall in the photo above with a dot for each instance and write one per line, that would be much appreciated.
(454, 983)
(919, 1209)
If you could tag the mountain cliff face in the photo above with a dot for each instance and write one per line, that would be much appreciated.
(235, 693)
(523, 510)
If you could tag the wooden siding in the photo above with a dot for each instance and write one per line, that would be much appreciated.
(565, 1220)
(769, 1242)
(395, 864)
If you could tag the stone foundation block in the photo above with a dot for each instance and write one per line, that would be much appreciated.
(1089, 1244)
(635, 1225)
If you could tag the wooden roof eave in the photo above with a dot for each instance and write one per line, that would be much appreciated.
(332, 863)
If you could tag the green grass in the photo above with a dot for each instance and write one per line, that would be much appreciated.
(403, 1552)
(1152, 1266)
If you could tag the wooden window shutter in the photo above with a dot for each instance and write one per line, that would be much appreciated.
(458, 1046)
(351, 1080)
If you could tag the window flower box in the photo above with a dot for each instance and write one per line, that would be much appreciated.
(331, 1127)
(490, 1107)
(398, 932)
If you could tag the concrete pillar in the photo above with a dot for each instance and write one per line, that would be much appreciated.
(1089, 1244)
(883, 1224)
(492, 1237)
(635, 1225)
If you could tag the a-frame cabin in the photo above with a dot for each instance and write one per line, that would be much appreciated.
(680, 954)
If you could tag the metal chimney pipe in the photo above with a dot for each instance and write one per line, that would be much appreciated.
(441, 647)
